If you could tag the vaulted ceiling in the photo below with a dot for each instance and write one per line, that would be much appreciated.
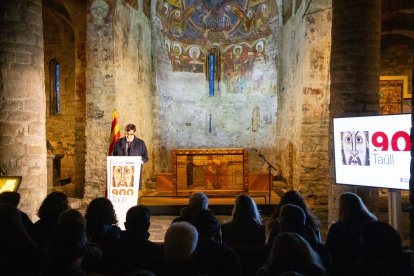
(397, 22)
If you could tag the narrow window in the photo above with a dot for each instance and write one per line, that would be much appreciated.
(211, 75)
(213, 70)
(54, 71)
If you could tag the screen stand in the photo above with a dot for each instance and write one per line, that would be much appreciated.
(394, 209)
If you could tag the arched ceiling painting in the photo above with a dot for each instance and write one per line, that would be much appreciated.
(190, 28)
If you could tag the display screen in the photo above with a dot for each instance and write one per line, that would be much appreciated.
(9, 183)
(373, 151)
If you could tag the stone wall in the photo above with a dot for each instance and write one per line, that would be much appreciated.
(133, 69)
(355, 71)
(64, 31)
(59, 44)
(100, 93)
(241, 114)
(303, 112)
(118, 54)
(22, 100)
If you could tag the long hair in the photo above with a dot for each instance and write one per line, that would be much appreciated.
(245, 211)
(294, 197)
(101, 209)
(51, 207)
(291, 252)
(352, 210)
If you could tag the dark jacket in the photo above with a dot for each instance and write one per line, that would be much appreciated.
(133, 251)
(137, 148)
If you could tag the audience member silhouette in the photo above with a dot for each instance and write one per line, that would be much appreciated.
(72, 215)
(197, 201)
(14, 199)
(245, 233)
(67, 248)
(180, 242)
(133, 251)
(49, 211)
(382, 251)
(291, 197)
(91, 261)
(292, 253)
(18, 252)
(101, 222)
(292, 219)
(213, 257)
(343, 241)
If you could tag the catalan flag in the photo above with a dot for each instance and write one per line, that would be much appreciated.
(115, 132)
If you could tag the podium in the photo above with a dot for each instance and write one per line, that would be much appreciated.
(123, 179)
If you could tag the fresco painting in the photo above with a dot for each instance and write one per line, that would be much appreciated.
(205, 19)
(191, 27)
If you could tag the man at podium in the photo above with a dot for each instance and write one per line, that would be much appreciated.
(130, 145)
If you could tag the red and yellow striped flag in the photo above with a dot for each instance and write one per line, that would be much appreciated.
(115, 132)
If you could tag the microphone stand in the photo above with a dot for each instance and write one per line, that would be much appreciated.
(270, 166)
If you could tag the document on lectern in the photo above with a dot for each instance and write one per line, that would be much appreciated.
(123, 175)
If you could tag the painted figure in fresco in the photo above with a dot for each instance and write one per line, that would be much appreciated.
(259, 50)
(237, 62)
(176, 57)
(177, 22)
(355, 148)
(164, 10)
(195, 63)
(259, 63)
(123, 176)
(263, 16)
(246, 17)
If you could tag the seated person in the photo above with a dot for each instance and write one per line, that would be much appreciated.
(382, 251)
(133, 251)
(180, 243)
(197, 201)
(291, 197)
(91, 262)
(18, 252)
(14, 199)
(101, 222)
(245, 233)
(293, 219)
(210, 251)
(292, 255)
(49, 211)
(67, 248)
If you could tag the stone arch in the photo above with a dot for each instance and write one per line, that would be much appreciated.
(65, 131)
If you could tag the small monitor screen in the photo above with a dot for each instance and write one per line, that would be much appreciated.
(373, 151)
(10, 183)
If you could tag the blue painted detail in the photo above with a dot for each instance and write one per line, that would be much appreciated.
(57, 87)
(211, 76)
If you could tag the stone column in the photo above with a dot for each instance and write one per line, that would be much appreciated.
(22, 99)
(100, 94)
(355, 71)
